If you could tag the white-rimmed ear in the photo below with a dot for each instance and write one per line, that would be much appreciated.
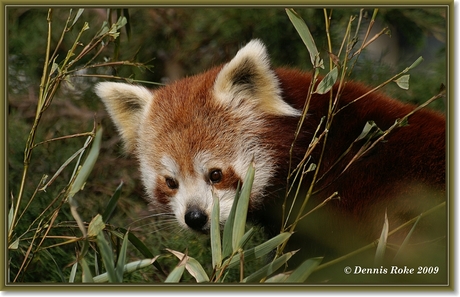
(248, 78)
(125, 104)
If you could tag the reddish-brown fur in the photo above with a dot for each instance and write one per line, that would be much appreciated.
(403, 175)
(410, 159)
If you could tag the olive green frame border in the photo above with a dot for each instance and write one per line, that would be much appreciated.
(234, 288)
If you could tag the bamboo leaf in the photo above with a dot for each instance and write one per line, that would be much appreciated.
(73, 272)
(403, 82)
(107, 257)
(246, 237)
(228, 227)
(77, 16)
(96, 226)
(86, 272)
(301, 273)
(416, 63)
(307, 38)
(242, 208)
(112, 204)
(268, 269)
(128, 268)
(327, 82)
(380, 252)
(216, 249)
(122, 258)
(192, 266)
(260, 250)
(177, 272)
(406, 241)
(141, 247)
(87, 166)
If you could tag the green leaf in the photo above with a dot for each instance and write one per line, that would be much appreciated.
(128, 268)
(14, 245)
(380, 252)
(107, 257)
(216, 249)
(328, 81)
(77, 16)
(86, 272)
(87, 166)
(140, 246)
(278, 278)
(307, 38)
(112, 204)
(104, 29)
(122, 258)
(260, 250)
(242, 208)
(177, 272)
(370, 131)
(416, 63)
(403, 82)
(96, 226)
(192, 265)
(73, 272)
(301, 273)
(228, 227)
(121, 22)
(268, 269)
(246, 237)
(10, 216)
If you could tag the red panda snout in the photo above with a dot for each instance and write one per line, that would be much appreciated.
(196, 218)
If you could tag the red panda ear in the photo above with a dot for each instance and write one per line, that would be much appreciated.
(249, 79)
(125, 104)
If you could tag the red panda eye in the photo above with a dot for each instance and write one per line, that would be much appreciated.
(215, 176)
(171, 183)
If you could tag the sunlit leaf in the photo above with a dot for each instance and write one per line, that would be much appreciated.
(95, 226)
(403, 82)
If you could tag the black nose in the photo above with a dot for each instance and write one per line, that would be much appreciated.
(195, 218)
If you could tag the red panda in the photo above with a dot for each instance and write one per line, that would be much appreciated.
(201, 133)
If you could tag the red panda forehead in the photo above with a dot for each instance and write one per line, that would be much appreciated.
(184, 121)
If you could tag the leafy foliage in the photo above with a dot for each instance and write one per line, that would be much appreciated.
(59, 182)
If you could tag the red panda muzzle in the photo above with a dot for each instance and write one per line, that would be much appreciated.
(196, 218)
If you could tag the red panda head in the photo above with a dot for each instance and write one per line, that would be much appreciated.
(198, 135)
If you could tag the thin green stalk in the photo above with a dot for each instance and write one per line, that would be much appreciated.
(32, 134)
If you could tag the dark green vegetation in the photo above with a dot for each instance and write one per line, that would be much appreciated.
(45, 240)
